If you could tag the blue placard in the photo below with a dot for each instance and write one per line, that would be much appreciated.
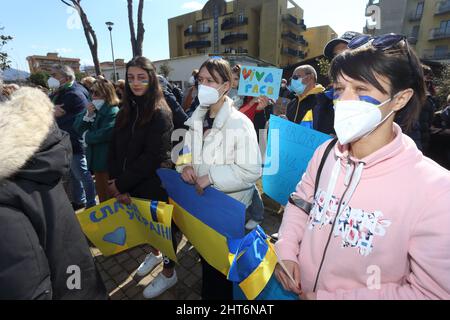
(289, 150)
(258, 81)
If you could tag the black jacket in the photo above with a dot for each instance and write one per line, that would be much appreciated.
(136, 152)
(40, 237)
(174, 97)
(309, 103)
(75, 99)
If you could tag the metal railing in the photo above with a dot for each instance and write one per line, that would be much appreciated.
(230, 23)
(197, 31)
(234, 38)
(291, 20)
(438, 33)
(197, 44)
(294, 53)
(436, 54)
(442, 7)
(294, 38)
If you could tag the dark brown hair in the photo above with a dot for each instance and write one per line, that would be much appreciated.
(236, 69)
(154, 98)
(399, 64)
(220, 67)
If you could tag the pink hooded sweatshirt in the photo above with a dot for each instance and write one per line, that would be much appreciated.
(391, 239)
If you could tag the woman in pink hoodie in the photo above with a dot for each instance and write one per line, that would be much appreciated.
(378, 226)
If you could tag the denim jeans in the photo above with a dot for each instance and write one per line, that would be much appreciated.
(256, 209)
(82, 182)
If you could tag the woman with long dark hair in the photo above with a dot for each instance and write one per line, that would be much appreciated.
(141, 143)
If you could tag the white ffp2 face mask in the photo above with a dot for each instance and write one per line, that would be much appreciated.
(207, 96)
(98, 103)
(354, 119)
(53, 83)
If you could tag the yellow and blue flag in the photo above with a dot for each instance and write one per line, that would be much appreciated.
(113, 227)
(214, 224)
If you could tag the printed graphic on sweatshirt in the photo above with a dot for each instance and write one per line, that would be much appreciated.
(356, 227)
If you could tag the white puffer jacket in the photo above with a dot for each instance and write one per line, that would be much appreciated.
(229, 154)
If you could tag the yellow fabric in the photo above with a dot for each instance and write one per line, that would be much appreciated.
(255, 283)
(136, 219)
(210, 244)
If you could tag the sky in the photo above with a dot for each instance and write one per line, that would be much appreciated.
(45, 26)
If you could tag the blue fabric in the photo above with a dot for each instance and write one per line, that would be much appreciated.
(82, 182)
(153, 209)
(256, 208)
(249, 252)
(221, 208)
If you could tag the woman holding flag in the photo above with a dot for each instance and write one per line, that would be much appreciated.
(140, 144)
(220, 150)
(369, 219)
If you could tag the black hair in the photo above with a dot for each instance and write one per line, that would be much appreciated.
(399, 64)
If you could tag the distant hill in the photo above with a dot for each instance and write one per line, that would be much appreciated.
(14, 75)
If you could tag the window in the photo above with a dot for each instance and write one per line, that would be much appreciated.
(445, 27)
(419, 9)
(415, 32)
(241, 17)
(440, 52)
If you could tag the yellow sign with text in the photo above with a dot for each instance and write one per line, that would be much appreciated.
(113, 227)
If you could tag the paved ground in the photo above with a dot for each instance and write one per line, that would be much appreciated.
(119, 271)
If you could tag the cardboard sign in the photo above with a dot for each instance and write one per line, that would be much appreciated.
(258, 81)
(290, 148)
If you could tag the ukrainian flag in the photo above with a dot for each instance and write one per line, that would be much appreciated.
(252, 261)
(185, 156)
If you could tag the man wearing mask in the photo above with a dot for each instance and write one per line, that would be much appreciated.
(302, 107)
(70, 99)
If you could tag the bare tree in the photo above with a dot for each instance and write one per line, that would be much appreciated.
(89, 32)
(136, 41)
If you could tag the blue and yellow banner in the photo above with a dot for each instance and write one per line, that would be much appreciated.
(214, 224)
(113, 227)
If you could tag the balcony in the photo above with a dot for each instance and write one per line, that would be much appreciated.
(196, 31)
(415, 16)
(292, 21)
(235, 51)
(439, 33)
(292, 37)
(197, 44)
(412, 39)
(230, 23)
(442, 7)
(436, 54)
(294, 53)
(234, 37)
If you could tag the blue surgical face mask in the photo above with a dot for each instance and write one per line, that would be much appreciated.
(297, 86)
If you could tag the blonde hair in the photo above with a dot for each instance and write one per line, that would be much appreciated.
(105, 89)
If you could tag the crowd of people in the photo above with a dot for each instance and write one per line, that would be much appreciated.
(90, 141)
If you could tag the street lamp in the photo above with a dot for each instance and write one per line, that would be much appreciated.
(110, 25)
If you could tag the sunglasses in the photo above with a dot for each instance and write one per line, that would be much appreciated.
(383, 43)
(295, 77)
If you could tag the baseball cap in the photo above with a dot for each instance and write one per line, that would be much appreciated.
(345, 38)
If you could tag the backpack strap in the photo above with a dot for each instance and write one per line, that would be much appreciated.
(299, 202)
(322, 163)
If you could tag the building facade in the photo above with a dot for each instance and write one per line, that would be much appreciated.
(426, 23)
(45, 63)
(316, 39)
(268, 30)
